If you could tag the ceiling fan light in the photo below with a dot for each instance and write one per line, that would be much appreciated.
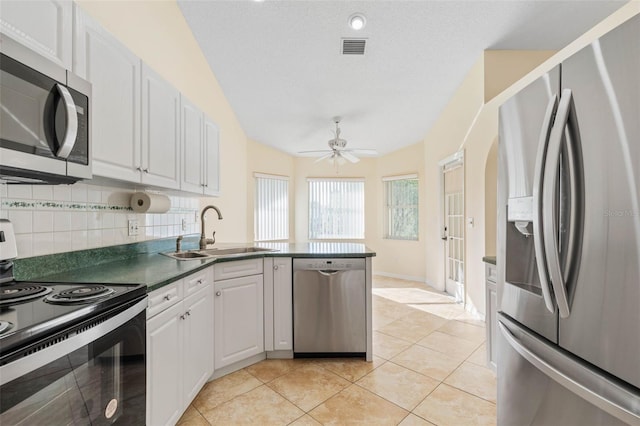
(357, 21)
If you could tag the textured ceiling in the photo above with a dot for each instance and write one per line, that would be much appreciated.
(281, 68)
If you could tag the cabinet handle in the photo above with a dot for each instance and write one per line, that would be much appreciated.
(200, 281)
(218, 293)
(167, 297)
(139, 169)
(182, 316)
(275, 268)
(188, 313)
(145, 170)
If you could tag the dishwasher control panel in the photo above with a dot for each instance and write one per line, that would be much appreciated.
(317, 264)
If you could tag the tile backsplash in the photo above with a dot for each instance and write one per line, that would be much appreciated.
(58, 218)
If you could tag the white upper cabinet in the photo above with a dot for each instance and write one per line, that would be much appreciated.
(192, 136)
(114, 73)
(160, 131)
(44, 27)
(211, 164)
(200, 151)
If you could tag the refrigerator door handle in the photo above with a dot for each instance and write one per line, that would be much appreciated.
(538, 236)
(611, 397)
(549, 205)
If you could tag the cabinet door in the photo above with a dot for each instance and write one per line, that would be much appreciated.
(114, 73)
(238, 321)
(282, 304)
(191, 138)
(164, 366)
(197, 342)
(211, 159)
(160, 131)
(45, 27)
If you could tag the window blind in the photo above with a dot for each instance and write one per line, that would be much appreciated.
(336, 209)
(401, 207)
(271, 212)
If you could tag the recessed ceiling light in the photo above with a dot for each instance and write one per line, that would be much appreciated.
(357, 21)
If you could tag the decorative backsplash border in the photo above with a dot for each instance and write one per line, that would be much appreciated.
(51, 219)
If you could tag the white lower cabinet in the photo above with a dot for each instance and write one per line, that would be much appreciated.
(278, 304)
(179, 348)
(238, 325)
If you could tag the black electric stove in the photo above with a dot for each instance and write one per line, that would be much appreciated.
(31, 311)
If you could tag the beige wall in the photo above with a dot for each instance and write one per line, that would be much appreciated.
(157, 32)
(264, 159)
(444, 139)
(502, 68)
(398, 258)
(490, 199)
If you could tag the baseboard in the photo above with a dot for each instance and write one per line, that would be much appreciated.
(282, 354)
(238, 365)
(401, 277)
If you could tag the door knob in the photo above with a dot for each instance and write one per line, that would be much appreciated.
(218, 293)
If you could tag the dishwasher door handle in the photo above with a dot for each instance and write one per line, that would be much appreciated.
(328, 272)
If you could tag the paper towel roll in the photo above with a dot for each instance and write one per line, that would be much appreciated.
(145, 202)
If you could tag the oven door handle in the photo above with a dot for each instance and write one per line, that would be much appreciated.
(22, 366)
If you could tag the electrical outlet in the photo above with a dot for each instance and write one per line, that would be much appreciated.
(184, 224)
(133, 227)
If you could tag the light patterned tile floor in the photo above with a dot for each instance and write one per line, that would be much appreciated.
(428, 369)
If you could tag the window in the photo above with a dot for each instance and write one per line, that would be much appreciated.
(271, 211)
(401, 209)
(336, 209)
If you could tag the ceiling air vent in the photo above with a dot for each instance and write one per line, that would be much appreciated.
(353, 46)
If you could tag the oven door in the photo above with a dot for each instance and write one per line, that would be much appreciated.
(92, 374)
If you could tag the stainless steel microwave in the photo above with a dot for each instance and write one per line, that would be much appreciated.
(44, 119)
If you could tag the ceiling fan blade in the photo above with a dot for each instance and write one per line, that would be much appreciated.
(362, 151)
(315, 152)
(349, 156)
(324, 157)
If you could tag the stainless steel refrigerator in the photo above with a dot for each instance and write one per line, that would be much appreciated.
(569, 241)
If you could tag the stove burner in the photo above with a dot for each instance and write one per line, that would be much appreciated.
(4, 326)
(15, 293)
(79, 294)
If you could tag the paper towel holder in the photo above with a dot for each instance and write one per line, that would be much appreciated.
(149, 202)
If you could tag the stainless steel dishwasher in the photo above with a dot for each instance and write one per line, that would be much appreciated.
(329, 307)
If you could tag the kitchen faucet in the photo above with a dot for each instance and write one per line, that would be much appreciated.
(203, 239)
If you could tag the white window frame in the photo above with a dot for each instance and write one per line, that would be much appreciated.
(387, 232)
(281, 232)
(358, 225)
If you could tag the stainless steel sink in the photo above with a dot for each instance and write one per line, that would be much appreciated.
(232, 251)
(216, 252)
(187, 255)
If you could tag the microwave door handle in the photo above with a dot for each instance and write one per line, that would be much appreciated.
(71, 116)
(549, 204)
(538, 180)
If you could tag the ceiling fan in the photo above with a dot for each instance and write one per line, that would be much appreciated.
(337, 152)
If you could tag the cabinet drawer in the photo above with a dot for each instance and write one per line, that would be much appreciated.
(196, 282)
(491, 273)
(238, 268)
(164, 297)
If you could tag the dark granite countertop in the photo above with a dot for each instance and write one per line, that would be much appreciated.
(143, 264)
(489, 259)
